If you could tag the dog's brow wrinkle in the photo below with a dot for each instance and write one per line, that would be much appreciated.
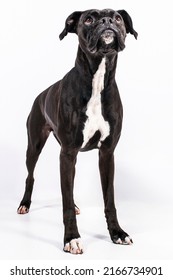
(95, 13)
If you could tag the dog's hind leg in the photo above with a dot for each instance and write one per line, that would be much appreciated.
(38, 132)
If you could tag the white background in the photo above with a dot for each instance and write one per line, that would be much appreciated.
(31, 59)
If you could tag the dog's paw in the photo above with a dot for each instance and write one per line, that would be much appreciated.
(77, 210)
(122, 238)
(22, 210)
(126, 241)
(74, 247)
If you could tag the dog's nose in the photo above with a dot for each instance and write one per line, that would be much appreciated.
(106, 20)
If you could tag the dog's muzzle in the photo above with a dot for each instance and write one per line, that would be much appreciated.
(105, 41)
(108, 36)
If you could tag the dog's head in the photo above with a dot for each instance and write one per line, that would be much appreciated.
(100, 31)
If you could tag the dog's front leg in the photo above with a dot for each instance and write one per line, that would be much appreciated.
(72, 241)
(106, 165)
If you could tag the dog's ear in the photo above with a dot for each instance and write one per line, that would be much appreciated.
(128, 23)
(70, 24)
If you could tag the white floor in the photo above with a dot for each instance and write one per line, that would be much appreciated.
(143, 200)
(39, 234)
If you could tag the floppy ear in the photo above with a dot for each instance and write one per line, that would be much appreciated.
(70, 24)
(128, 23)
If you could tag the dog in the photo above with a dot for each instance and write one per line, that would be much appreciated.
(84, 112)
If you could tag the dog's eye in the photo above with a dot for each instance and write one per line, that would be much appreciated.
(88, 21)
(118, 18)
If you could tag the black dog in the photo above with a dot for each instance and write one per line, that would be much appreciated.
(84, 112)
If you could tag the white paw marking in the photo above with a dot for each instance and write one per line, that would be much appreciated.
(74, 246)
(95, 120)
(119, 241)
(77, 210)
(126, 241)
(22, 210)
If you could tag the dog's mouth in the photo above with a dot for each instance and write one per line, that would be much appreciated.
(108, 36)
(108, 40)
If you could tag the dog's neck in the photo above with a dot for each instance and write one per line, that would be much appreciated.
(87, 64)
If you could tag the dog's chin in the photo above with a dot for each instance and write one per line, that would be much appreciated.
(107, 51)
(104, 48)
(107, 45)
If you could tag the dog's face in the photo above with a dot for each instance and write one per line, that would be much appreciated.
(100, 31)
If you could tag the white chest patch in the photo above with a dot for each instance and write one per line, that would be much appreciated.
(95, 120)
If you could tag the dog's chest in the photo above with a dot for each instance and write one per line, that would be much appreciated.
(95, 120)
